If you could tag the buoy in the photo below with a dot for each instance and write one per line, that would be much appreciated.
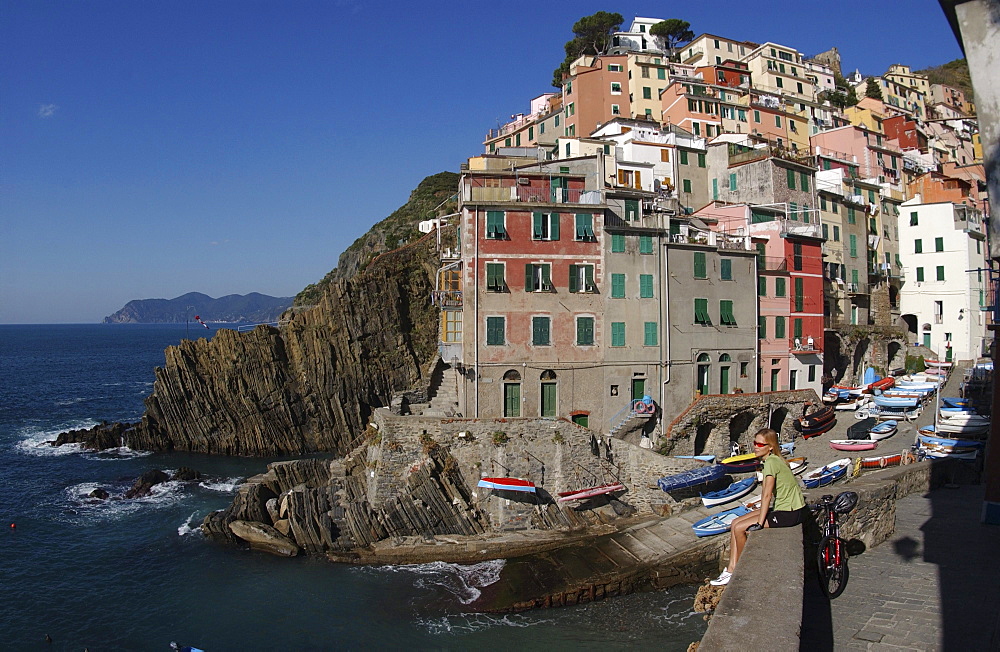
(13, 526)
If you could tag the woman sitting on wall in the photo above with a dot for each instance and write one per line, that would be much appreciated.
(781, 501)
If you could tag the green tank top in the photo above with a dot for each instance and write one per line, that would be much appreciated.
(787, 494)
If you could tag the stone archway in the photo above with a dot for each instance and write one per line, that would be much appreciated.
(911, 322)
(778, 419)
(858, 357)
(739, 425)
(701, 437)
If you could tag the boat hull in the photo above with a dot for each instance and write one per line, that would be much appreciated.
(736, 490)
(691, 478)
(719, 523)
(590, 492)
(853, 445)
(507, 484)
(826, 474)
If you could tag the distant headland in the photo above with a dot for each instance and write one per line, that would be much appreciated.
(232, 308)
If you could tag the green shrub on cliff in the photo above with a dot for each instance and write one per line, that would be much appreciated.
(437, 191)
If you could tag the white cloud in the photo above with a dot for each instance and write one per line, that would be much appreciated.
(47, 110)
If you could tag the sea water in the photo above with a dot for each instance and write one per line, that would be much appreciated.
(137, 574)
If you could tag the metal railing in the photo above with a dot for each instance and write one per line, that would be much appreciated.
(447, 298)
(527, 194)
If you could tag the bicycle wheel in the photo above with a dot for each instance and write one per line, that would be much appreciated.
(832, 565)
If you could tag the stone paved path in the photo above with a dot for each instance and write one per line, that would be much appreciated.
(934, 585)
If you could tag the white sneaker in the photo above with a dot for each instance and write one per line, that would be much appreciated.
(722, 579)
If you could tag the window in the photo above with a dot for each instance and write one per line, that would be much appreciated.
(851, 216)
(538, 277)
(798, 294)
(645, 244)
(804, 182)
(581, 278)
(779, 287)
(646, 286)
(664, 155)
(616, 88)
(631, 210)
(939, 244)
(617, 286)
(614, 67)
(940, 272)
(761, 286)
(756, 117)
(918, 246)
(701, 312)
(617, 333)
(822, 203)
(661, 73)
(726, 316)
(495, 225)
(777, 121)
(585, 331)
(452, 326)
(495, 281)
(647, 92)
(585, 227)
(644, 71)
(797, 257)
(913, 218)
(797, 327)
(826, 231)
(649, 334)
(836, 233)
(779, 328)
(732, 181)
(726, 269)
(617, 243)
(920, 275)
(686, 185)
(700, 266)
(545, 226)
(684, 157)
(701, 160)
(793, 211)
(540, 327)
(834, 206)
(854, 246)
(615, 110)
(761, 327)
(495, 331)
(778, 82)
(790, 176)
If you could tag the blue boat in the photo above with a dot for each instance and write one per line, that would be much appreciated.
(736, 490)
(702, 458)
(882, 400)
(956, 402)
(883, 430)
(927, 435)
(719, 523)
(692, 478)
(826, 474)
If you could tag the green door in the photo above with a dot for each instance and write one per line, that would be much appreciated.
(638, 388)
(947, 354)
(774, 379)
(724, 380)
(512, 399)
(548, 399)
(927, 340)
(582, 420)
(703, 379)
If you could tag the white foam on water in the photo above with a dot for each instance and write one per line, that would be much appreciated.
(35, 441)
(461, 580)
(115, 454)
(185, 527)
(70, 401)
(83, 508)
(225, 486)
(466, 623)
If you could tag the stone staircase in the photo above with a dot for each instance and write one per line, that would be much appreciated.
(444, 402)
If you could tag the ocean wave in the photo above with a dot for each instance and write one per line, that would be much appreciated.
(83, 508)
(464, 581)
(35, 441)
(466, 623)
(72, 401)
(228, 485)
(185, 527)
(115, 454)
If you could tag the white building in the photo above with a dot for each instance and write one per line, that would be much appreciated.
(944, 299)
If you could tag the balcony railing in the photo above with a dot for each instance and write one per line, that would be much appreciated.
(447, 298)
(772, 264)
(739, 154)
(527, 194)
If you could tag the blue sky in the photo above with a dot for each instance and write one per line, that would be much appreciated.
(153, 148)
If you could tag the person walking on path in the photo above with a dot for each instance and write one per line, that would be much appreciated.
(780, 488)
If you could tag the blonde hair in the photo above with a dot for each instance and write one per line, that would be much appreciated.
(771, 438)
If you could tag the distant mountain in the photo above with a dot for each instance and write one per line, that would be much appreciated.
(252, 308)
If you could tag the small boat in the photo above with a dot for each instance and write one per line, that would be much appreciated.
(818, 430)
(590, 492)
(853, 403)
(888, 413)
(702, 458)
(883, 430)
(691, 478)
(736, 490)
(815, 418)
(787, 447)
(507, 484)
(961, 427)
(719, 523)
(840, 392)
(947, 411)
(797, 464)
(827, 474)
(896, 401)
(881, 384)
(853, 444)
(956, 402)
(970, 418)
(881, 461)
(940, 364)
(929, 435)
(741, 463)
(942, 452)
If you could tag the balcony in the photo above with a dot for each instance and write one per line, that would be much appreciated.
(527, 194)
(447, 298)
(857, 288)
(771, 264)
(739, 154)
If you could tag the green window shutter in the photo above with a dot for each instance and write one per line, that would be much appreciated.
(494, 331)
(854, 276)
(836, 233)
(826, 231)
(649, 334)
(647, 93)
(617, 243)
(701, 160)
(939, 244)
(726, 316)
(574, 278)
(851, 216)
(554, 226)
(715, 188)
(790, 175)
(494, 277)
(761, 286)
(537, 225)
(588, 277)
(779, 287)
(540, 331)
(584, 226)
(854, 246)
(804, 181)
(645, 244)
(913, 218)
(546, 276)
(822, 203)
(732, 181)
(761, 259)
(779, 328)
(661, 73)
(920, 274)
(805, 213)
(761, 327)
(684, 157)
(726, 269)
(918, 246)
(687, 185)
(873, 225)
(798, 295)
(940, 272)
(646, 286)
(585, 331)
(617, 286)
(495, 225)
(529, 278)
(617, 333)
(798, 327)
(701, 315)
(700, 268)
(631, 210)
(793, 210)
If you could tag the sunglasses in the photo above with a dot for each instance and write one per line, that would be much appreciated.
(760, 444)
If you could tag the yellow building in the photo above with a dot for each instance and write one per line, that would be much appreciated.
(868, 113)
(779, 69)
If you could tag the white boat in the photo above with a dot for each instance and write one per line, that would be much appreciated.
(883, 430)
(854, 403)
(949, 426)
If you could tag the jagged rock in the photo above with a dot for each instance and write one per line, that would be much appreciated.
(100, 494)
(249, 504)
(185, 474)
(146, 482)
(264, 538)
(283, 526)
(100, 437)
(272, 510)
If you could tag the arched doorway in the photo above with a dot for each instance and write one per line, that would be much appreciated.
(512, 393)
(704, 367)
(549, 394)
(925, 332)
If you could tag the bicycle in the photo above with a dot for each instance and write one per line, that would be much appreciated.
(831, 559)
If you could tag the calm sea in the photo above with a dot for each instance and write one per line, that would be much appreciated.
(136, 574)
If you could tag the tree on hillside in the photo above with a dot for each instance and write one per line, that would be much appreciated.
(592, 34)
(873, 90)
(672, 32)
